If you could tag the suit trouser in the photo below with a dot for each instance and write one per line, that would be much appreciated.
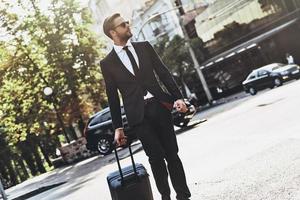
(158, 138)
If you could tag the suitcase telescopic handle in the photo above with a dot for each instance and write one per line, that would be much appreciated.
(118, 160)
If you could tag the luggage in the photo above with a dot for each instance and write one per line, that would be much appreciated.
(129, 183)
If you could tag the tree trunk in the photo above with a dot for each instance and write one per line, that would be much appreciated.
(38, 159)
(17, 170)
(27, 156)
(24, 171)
(45, 154)
(34, 141)
(3, 171)
(12, 174)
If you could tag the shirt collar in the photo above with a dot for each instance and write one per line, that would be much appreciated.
(118, 49)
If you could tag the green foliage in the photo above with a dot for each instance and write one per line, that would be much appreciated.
(40, 48)
(174, 53)
(176, 56)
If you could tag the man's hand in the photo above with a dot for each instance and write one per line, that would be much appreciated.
(180, 106)
(120, 137)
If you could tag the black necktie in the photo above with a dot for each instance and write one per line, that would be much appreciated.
(134, 65)
(132, 60)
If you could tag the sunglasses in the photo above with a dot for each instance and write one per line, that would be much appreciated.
(123, 24)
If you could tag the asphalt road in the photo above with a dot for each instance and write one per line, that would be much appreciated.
(248, 149)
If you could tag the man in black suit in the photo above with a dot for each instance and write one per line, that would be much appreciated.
(130, 68)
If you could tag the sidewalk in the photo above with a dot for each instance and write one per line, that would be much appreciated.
(83, 171)
(60, 176)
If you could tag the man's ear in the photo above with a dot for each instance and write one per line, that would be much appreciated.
(112, 33)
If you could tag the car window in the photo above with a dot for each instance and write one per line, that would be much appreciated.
(251, 76)
(262, 73)
(103, 117)
(274, 68)
(278, 66)
(281, 65)
(106, 116)
(96, 120)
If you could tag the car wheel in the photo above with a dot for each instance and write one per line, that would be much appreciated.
(181, 123)
(104, 145)
(277, 82)
(252, 91)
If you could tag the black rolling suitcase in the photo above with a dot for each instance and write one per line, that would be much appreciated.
(129, 183)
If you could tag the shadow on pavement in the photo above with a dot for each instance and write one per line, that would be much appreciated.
(190, 126)
(68, 175)
(78, 172)
(38, 191)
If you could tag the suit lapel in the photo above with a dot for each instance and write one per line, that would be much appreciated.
(120, 64)
(139, 54)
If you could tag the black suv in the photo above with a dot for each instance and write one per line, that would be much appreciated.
(99, 130)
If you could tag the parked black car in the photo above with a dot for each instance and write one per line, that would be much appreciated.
(270, 76)
(99, 130)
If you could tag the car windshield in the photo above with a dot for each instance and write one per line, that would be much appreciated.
(251, 76)
(98, 119)
(106, 116)
(277, 66)
(103, 117)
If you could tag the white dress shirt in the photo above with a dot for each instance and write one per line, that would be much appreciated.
(126, 61)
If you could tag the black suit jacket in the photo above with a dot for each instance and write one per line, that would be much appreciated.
(132, 88)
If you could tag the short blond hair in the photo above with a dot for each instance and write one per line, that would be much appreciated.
(108, 24)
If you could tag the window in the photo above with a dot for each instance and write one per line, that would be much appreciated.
(262, 73)
(96, 120)
(251, 76)
(278, 66)
(106, 116)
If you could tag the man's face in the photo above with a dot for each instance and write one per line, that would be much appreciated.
(122, 29)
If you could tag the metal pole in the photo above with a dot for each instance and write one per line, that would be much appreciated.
(59, 118)
(196, 64)
(2, 192)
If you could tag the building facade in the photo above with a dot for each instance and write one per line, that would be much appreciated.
(156, 19)
(245, 35)
(240, 35)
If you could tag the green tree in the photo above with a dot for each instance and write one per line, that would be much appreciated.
(175, 53)
(53, 48)
(176, 56)
(45, 45)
